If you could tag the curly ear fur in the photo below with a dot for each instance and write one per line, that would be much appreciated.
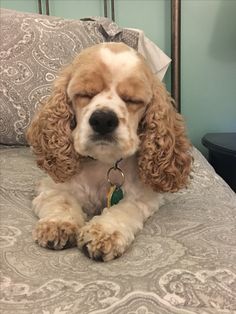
(50, 134)
(164, 156)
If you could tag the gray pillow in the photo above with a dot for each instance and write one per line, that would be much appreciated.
(33, 49)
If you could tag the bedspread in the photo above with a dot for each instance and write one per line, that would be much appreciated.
(183, 261)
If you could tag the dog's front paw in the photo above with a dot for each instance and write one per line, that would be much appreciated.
(101, 244)
(56, 235)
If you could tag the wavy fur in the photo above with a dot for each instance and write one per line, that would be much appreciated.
(164, 155)
(50, 133)
(164, 158)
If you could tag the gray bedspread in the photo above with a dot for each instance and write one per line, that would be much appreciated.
(184, 260)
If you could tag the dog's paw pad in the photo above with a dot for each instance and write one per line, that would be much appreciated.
(56, 235)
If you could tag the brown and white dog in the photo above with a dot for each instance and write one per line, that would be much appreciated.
(121, 111)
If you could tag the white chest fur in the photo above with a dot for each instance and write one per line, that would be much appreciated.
(90, 186)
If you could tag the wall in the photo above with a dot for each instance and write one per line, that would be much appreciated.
(20, 5)
(208, 51)
(209, 66)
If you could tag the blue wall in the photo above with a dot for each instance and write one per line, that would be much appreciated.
(209, 66)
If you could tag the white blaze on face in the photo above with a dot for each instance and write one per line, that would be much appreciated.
(120, 64)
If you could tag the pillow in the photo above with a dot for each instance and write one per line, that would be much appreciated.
(35, 47)
(156, 58)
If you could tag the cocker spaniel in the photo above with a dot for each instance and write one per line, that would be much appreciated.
(108, 122)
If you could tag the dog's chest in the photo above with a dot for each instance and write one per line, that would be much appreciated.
(91, 186)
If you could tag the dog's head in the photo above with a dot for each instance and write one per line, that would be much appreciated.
(108, 105)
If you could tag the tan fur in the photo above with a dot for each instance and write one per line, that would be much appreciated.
(133, 108)
(101, 244)
(164, 160)
(136, 87)
(56, 234)
(150, 137)
(164, 155)
(50, 134)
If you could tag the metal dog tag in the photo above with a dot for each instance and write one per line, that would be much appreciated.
(115, 193)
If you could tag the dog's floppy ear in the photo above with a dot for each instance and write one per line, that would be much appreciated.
(50, 133)
(164, 155)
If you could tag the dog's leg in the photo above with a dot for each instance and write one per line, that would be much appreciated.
(107, 236)
(60, 215)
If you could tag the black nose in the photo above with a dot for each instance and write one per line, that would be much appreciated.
(103, 122)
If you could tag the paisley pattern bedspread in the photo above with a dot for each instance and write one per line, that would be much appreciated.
(183, 261)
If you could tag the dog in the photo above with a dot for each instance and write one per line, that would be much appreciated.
(108, 124)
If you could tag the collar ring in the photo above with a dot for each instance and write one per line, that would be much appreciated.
(121, 173)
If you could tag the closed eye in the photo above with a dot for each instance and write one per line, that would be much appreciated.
(89, 95)
(133, 101)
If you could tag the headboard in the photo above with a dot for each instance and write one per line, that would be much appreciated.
(175, 42)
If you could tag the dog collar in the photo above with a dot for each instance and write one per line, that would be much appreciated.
(115, 193)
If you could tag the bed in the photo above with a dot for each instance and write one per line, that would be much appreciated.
(183, 261)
